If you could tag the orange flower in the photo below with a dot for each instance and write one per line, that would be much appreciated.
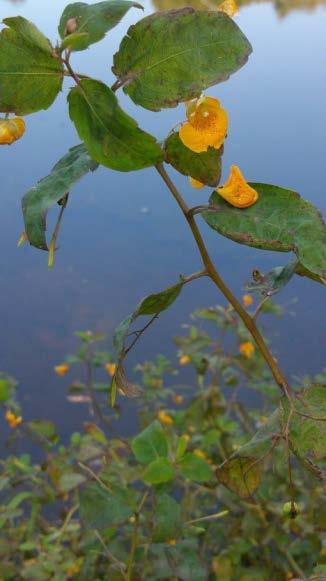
(178, 399)
(165, 418)
(206, 126)
(230, 7)
(247, 349)
(184, 360)
(62, 369)
(247, 300)
(195, 183)
(237, 191)
(200, 454)
(11, 130)
(172, 542)
(110, 368)
(12, 419)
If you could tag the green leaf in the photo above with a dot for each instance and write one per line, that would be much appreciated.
(71, 480)
(74, 165)
(158, 471)
(4, 390)
(241, 475)
(100, 508)
(150, 305)
(110, 135)
(167, 519)
(274, 281)
(205, 167)
(307, 428)
(43, 429)
(280, 220)
(95, 19)
(195, 468)
(73, 41)
(150, 444)
(30, 74)
(160, 65)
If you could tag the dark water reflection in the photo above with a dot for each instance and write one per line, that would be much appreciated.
(123, 236)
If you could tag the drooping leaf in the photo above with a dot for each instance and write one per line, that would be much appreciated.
(167, 518)
(74, 165)
(150, 444)
(100, 508)
(241, 475)
(110, 135)
(30, 73)
(174, 55)
(94, 19)
(195, 468)
(274, 281)
(204, 167)
(158, 471)
(43, 429)
(280, 220)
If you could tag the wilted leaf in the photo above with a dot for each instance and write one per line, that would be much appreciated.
(272, 282)
(205, 167)
(150, 444)
(280, 220)
(195, 468)
(110, 135)
(241, 475)
(101, 509)
(95, 19)
(160, 65)
(167, 518)
(74, 165)
(30, 75)
(158, 471)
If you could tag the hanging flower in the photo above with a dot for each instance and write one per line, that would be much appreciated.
(206, 126)
(165, 418)
(62, 369)
(110, 368)
(178, 399)
(247, 349)
(184, 360)
(11, 130)
(12, 419)
(237, 191)
(247, 300)
(230, 7)
(195, 183)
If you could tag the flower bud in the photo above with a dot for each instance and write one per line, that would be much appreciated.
(71, 26)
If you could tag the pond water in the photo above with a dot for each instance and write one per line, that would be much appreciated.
(123, 236)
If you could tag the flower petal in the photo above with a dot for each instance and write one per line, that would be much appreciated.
(236, 191)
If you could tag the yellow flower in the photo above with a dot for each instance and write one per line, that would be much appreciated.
(230, 7)
(184, 360)
(237, 191)
(195, 183)
(200, 454)
(172, 542)
(178, 399)
(11, 130)
(110, 368)
(186, 437)
(206, 126)
(247, 300)
(62, 369)
(165, 418)
(247, 349)
(12, 419)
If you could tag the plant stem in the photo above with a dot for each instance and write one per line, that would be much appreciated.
(218, 281)
(134, 539)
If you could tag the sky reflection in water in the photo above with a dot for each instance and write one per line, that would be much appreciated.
(122, 235)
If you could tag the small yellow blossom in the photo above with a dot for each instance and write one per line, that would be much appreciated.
(247, 300)
(12, 419)
(157, 383)
(184, 360)
(200, 453)
(178, 399)
(191, 429)
(62, 369)
(195, 183)
(73, 569)
(206, 126)
(186, 437)
(11, 130)
(110, 368)
(165, 418)
(172, 542)
(230, 7)
(237, 191)
(247, 349)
